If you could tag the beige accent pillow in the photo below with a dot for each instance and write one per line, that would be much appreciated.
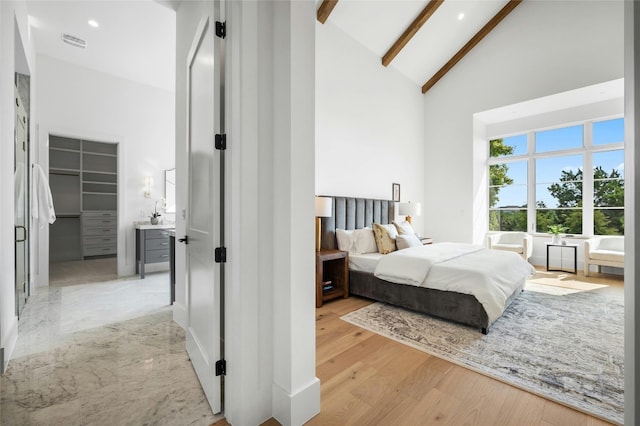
(404, 228)
(384, 240)
(406, 241)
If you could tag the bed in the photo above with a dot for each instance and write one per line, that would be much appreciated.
(356, 213)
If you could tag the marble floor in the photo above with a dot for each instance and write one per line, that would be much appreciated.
(102, 354)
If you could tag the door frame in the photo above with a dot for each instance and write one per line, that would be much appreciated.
(41, 264)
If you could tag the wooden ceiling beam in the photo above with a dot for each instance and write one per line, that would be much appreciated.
(508, 8)
(408, 34)
(325, 10)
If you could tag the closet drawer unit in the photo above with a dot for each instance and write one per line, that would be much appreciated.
(100, 241)
(99, 250)
(100, 232)
(99, 222)
(108, 213)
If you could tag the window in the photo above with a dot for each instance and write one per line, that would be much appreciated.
(540, 177)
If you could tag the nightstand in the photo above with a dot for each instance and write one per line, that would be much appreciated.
(332, 275)
(426, 240)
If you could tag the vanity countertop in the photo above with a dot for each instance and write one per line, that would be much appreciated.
(150, 226)
(172, 233)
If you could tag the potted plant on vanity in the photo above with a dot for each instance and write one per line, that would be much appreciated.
(155, 216)
(555, 231)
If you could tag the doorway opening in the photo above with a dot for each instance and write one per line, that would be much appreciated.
(83, 240)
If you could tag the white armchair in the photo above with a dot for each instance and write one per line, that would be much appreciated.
(603, 251)
(517, 242)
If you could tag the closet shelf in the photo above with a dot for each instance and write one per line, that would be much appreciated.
(102, 154)
(99, 183)
(100, 193)
(58, 171)
(102, 173)
(67, 215)
(53, 148)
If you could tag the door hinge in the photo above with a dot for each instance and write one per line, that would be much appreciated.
(221, 141)
(221, 367)
(221, 255)
(221, 29)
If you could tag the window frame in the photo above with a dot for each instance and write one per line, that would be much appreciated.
(587, 150)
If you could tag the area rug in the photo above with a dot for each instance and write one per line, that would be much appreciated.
(567, 348)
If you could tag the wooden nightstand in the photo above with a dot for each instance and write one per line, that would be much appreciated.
(426, 240)
(332, 275)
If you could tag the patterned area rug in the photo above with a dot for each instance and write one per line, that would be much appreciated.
(568, 348)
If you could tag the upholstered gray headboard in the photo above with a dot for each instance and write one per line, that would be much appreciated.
(354, 213)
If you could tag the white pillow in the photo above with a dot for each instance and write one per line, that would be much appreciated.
(406, 241)
(356, 241)
(346, 240)
(365, 241)
(404, 228)
(391, 229)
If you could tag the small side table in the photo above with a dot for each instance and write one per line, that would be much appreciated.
(332, 275)
(574, 247)
(426, 240)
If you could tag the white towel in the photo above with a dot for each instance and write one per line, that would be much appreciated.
(42, 202)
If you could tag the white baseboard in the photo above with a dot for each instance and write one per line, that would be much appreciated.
(180, 315)
(298, 408)
(9, 343)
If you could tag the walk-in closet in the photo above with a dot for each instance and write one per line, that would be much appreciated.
(83, 176)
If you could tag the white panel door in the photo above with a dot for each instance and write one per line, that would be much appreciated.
(203, 218)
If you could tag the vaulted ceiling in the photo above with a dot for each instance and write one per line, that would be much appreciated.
(421, 39)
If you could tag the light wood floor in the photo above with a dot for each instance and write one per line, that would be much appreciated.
(367, 379)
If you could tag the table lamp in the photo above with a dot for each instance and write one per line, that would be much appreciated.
(323, 209)
(409, 209)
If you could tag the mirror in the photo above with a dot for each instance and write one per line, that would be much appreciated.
(170, 190)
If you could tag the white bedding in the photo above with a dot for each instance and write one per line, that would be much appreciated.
(491, 276)
(364, 262)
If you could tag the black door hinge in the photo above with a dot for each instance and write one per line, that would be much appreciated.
(221, 141)
(221, 255)
(221, 367)
(221, 29)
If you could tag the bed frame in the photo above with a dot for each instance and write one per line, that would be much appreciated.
(355, 213)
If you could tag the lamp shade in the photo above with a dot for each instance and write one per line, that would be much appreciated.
(409, 209)
(323, 207)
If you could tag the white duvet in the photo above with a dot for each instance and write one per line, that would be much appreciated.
(492, 276)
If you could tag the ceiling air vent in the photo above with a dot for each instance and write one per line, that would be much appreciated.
(74, 41)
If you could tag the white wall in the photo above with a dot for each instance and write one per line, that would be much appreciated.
(13, 19)
(541, 48)
(84, 103)
(369, 123)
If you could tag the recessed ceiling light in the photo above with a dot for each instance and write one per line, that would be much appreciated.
(93, 23)
(460, 16)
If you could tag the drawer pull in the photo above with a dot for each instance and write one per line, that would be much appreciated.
(164, 244)
(165, 255)
(106, 239)
(106, 221)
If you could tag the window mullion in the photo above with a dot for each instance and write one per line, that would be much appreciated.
(587, 181)
(531, 182)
